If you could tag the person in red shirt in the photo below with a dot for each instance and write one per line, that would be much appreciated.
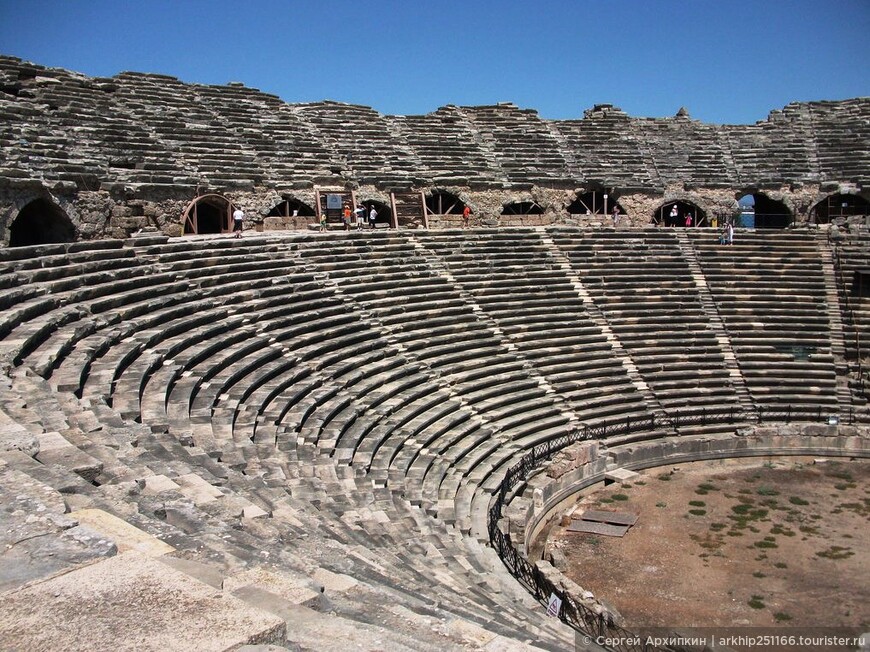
(466, 214)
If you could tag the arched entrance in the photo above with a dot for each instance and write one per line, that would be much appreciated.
(208, 214)
(764, 212)
(291, 207)
(595, 202)
(522, 208)
(665, 215)
(839, 205)
(385, 213)
(41, 222)
(444, 203)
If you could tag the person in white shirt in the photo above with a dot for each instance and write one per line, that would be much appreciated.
(238, 219)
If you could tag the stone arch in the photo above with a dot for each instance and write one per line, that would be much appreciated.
(290, 207)
(594, 202)
(41, 221)
(385, 213)
(441, 202)
(839, 205)
(522, 208)
(208, 214)
(662, 215)
(766, 213)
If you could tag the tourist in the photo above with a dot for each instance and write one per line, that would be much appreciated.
(360, 213)
(615, 216)
(345, 216)
(466, 216)
(729, 233)
(238, 219)
(323, 221)
(373, 216)
(674, 217)
(688, 220)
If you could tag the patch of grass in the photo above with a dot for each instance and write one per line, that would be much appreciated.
(758, 574)
(766, 544)
(697, 512)
(781, 617)
(620, 497)
(706, 486)
(840, 474)
(605, 500)
(661, 505)
(665, 477)
(779, 529)
(640, 483)
(797, 500)
(757, 602)
(781, 564)
(764, 490)
(697, 503)
(843, 486)
(835, 553)
(717, 527)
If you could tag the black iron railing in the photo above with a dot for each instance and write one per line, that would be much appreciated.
(597, 625)
(850, 313)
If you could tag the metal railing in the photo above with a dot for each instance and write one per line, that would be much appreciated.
(844, 292)
(578, 616)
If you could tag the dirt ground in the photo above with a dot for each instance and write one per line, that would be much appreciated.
(754, 542)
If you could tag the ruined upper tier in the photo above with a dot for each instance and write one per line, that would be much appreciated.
(152, 130)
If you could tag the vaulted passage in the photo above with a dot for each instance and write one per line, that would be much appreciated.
(208, 214)
(595, 202)
(522, 208)
(765, 213)
(291, 207)
(41, 222)
(444, 203)
(840, 205)
(680, 213)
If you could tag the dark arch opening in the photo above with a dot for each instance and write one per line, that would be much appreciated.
(595, 202)
(288, 206)
(760, 211)
(41, 222)
(384, 213)
(522, 208)
(208, 214)
(666, 216)
(444, 203)
(840, 205)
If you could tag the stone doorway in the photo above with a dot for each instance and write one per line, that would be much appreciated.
(839, 206)
(291, 208)
(208, 214)
(522, 208)
(667, 216)
(595, 202)
(764, 212)
(41, 222)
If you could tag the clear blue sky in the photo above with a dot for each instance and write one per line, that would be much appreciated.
(726, 61)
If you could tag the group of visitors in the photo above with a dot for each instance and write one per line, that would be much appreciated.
(356, 217)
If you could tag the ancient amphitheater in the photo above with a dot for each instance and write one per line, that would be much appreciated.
(346, 440)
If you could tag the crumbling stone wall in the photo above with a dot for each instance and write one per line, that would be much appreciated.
(144, 146)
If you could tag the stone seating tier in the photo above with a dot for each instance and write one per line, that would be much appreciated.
(237, 137)
(350, 402)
